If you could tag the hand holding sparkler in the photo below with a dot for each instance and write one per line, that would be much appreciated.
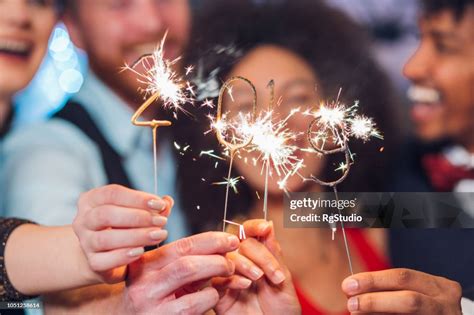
(258, 261)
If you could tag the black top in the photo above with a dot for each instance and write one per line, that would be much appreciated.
(7, 291)
(113, 165)
(6, 125)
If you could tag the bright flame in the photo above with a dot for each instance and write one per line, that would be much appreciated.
(160, 78)
(363, 127)
(336, 122)
(272, 140)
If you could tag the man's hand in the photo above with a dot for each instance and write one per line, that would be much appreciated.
(262, 284)
(167, 280)
(402, 291)
(113, 225)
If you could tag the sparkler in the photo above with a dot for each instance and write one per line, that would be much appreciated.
(272, 139)
(235, 144)
(161, 83)
(338, 123)
(263, 135)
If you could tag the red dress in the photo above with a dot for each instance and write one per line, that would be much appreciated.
(371, 258)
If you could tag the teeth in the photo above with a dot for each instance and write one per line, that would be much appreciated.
(421, 94)
(143, 49)
(14, 46)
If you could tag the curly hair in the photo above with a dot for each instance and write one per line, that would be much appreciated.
(339, 54)
(458, 7)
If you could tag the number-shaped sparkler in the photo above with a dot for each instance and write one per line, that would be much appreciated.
(154, 125)
(342, 148)
(162, 83)
(233, 147)
(338, 122)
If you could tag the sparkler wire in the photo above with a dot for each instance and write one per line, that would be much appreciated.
(226, 202)
(265, 196)
(346, 245)
(271, 86)
(342, 148)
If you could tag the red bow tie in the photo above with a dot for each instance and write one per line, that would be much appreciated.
(443, 175)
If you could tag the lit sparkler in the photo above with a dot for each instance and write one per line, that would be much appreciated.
(162, 83)
(265, 135)
(223, 128)
(336, 124)
(273, 141)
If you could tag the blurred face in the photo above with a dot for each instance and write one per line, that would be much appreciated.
(25, 27)
(115, 32)
(442, 73)
(294, 87)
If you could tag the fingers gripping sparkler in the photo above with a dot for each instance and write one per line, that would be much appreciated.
(233, 145)
(163, 84)
(338, 123)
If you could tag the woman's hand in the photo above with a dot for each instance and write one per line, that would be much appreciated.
(113, 225)
(402, 291)
(262, 283)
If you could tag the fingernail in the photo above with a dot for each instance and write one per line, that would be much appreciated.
(159, 234)
(136, 252)
(278, 277)
(159, 220)
(244, 283)
(351, 286)
(353, 304)
(256, 272)
(231, 266)
(157, 204)
(233, 241)
(263, 227)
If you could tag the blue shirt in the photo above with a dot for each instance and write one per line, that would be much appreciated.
(46, 166)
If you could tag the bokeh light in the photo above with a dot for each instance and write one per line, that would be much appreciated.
(60, 76)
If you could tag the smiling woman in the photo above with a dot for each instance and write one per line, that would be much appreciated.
(25, 27)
